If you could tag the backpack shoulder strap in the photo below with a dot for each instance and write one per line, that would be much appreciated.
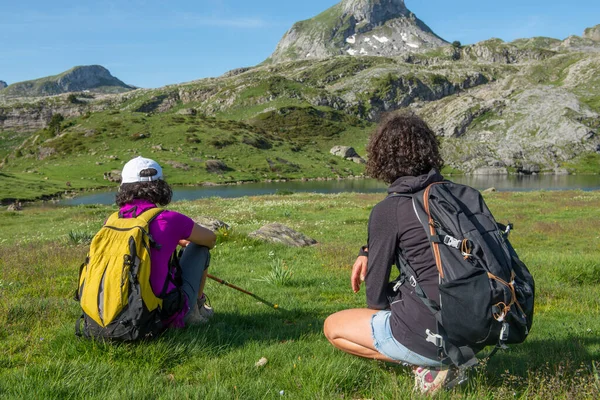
(112, 218)
(148, 215)
(396, 194)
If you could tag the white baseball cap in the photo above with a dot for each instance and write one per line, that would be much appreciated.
(131, 170)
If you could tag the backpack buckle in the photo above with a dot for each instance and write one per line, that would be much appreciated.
(397, 285)
(434, 338)
(504, 332)
(452, 241)
(413, 281)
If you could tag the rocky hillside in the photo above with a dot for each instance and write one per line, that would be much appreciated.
(529, 106)
(3, 85)
(358, 28)
(92, 78)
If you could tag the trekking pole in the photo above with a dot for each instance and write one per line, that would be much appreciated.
(223, 282)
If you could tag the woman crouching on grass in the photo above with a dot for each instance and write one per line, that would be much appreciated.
(143, 187)
(402, 152)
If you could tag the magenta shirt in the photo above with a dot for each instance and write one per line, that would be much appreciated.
(166, 229)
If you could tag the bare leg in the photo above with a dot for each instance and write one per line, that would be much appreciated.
(350, 331)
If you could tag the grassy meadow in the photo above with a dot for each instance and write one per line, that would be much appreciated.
(557, 234)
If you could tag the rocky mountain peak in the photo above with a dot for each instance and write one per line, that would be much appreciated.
(592, 33)
(374, 11)
(357, 27)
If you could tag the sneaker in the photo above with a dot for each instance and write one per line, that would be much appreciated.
(430, 381)
(204, 307)
(195, 317)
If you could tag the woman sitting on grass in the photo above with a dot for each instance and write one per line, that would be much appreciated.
(402, 152)
(143, 187)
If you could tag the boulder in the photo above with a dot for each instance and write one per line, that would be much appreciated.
(343, 151)
(489, 190)
(15, 207)
(281, 234)
(178, 165)
(187, 111)
(490, 171)
(211, 223)
(215, 166)
(113, 176)
(3, 85)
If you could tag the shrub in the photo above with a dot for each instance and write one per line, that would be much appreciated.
(72, 98)
(80, 237)
(55, 124)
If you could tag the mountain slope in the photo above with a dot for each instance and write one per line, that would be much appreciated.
(357, 27)
(530, 106)
(94, 78)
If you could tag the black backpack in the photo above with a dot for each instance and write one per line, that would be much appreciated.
(486, 292)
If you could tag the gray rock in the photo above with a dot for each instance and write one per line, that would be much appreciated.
(357, 27)
(561, 171)
(187, 111)
(44, 152)
(490, 171)
(15, 207)
(343, 151)
(3, 85)
(113, 176)
(592, 33)
(215, 166)
(281, 234)
(178, 165)
(211, 223)
(358, 160)
(529, 169)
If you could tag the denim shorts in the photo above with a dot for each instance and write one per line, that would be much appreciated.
(386, 344)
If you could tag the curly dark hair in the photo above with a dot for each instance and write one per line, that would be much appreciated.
(158, 192)
(402, 145)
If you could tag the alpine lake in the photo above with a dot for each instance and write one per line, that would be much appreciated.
(502, 183)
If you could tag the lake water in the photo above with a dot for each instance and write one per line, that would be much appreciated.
(500, 182)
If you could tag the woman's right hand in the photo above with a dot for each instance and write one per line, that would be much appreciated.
(359, 272)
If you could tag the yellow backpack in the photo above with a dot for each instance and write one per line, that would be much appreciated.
(114, 291)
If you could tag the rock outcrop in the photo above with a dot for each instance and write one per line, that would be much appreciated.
(592, 33)
(211, 223)
(347, 153)
(281, 234)
(357, 27)
(3, 85)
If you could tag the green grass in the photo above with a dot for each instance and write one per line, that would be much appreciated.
(556, 235)
(586, 163)
(92, 145)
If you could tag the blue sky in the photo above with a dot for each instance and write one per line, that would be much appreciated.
(152, 43)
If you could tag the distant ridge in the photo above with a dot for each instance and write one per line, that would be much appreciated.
(94, 78)
(357, 27)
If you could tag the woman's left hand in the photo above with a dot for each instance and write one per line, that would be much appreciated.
(359, 272)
